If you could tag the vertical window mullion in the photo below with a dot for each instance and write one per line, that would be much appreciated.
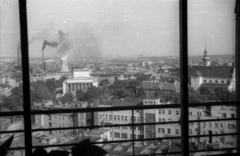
(25, 73)
(133, 131)
(184, 76)
(237, 58)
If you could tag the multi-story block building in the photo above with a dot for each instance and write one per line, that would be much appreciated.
(169, 115)
(60, 120)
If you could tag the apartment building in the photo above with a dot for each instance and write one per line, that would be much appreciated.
(171, 130)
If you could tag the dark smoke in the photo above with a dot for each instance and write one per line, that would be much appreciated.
(46, 33)
(61, 40)
(50, 44)
(81, 41)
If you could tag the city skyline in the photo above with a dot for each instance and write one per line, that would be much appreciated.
(114, 28)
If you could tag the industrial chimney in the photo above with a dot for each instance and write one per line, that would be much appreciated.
(19, 54)
(64, 65)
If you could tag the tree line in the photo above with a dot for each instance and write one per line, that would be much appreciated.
(46, 90)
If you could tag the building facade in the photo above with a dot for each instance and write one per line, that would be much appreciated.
(81, 80)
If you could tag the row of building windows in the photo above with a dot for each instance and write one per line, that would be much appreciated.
(150, 102)
(230, 126)
(198, 113)
(58, 125)
(59, 118)
(169, 112)
(163, 120)
(119, 118)
(125, 136)
(140, 128)
(168, 131)
(216, 81)
(77, 86)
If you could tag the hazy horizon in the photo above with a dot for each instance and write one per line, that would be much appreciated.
(126, 28)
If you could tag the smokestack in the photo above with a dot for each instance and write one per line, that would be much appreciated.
(50, 44)
(42, 59)
(64, 65)
(19, 54)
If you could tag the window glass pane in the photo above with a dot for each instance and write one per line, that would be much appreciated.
(12, 123)
(10, 57)
(211, 67)
(211, 51)
(107, 54)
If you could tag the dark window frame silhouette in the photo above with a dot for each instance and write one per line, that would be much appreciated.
(184, 105)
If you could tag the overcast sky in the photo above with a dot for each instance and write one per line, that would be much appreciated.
(119, 27)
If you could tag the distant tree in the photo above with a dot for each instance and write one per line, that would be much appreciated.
(52, 97)
(60, 81)
(18, 94)
(173, 97)
(68, 97)
(52, 85)
(204, 91)
(80, 95)
(141, 93)
(10, 102)
(194, 97)
(121, 93)
(105, 92)
(232, 96)
(121, 84)
(132, 84)
(92, 93)
(104, 82)
(223, 94)
(159, 93)
(39, 91)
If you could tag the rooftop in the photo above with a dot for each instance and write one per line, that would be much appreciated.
(212, 71)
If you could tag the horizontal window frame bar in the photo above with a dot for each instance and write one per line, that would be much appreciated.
(120, 125)
(170, 153)
(224, 103)
(15, 113)
(100, 126)
(105, 109)
(220, 149)
(213, 135)
(212, 120)
(14, 131)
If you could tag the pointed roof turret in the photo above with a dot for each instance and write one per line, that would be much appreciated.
(205, 50)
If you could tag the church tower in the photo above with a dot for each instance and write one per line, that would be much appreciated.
(206, 60)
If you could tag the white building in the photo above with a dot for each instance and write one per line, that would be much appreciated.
(212, 75)
(81, 80)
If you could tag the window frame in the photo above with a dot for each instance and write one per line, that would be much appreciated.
(184, 104)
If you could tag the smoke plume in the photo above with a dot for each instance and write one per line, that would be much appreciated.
(50, 44)
(48, 32)
(80, 42)
(62, 42)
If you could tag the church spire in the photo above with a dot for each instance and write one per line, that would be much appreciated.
(205, 50)
(205, 45)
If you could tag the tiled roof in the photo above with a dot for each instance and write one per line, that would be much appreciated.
(170, 86)
(147, 149)
(149, 85)
(197, 74)
(212, 71)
